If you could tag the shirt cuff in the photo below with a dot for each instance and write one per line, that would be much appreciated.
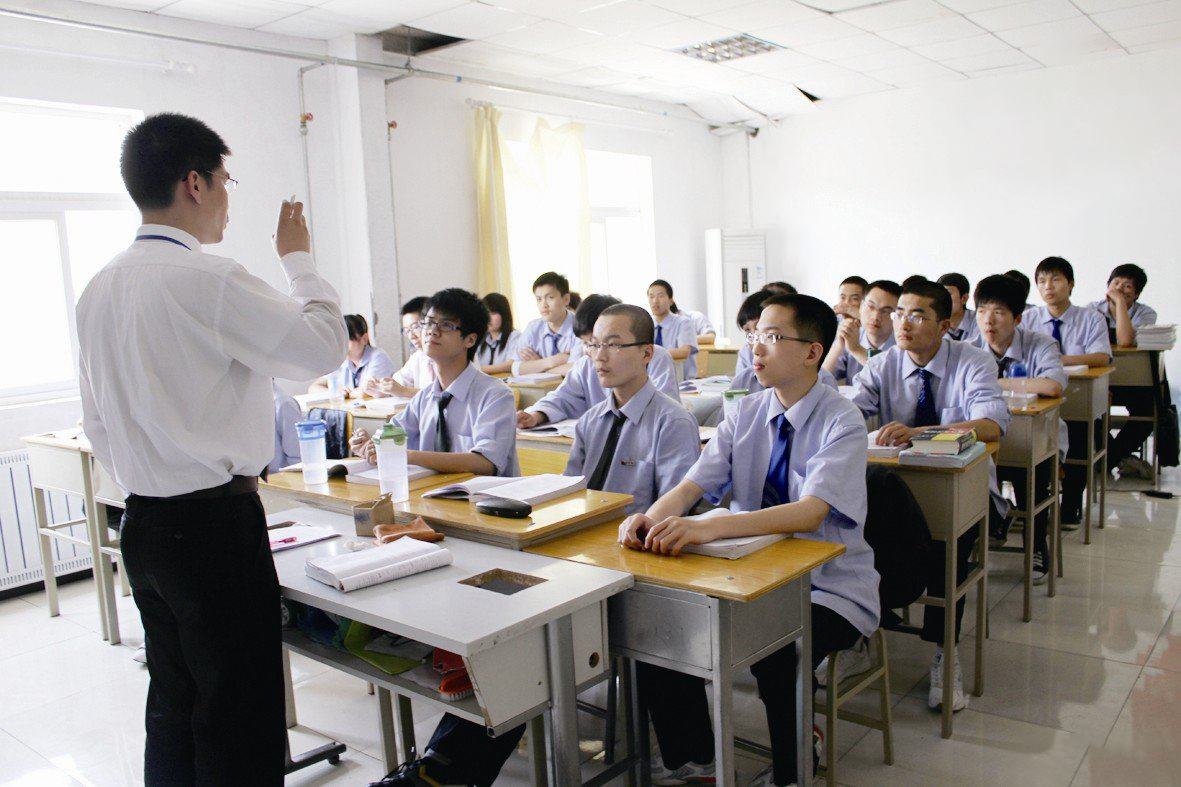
(296, 264)
(516, 370)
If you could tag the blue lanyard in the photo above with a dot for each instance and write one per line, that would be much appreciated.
(162, 237)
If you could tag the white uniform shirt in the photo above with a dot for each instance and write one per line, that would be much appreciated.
(417, 372)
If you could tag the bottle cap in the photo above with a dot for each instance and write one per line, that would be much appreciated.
(311, 430)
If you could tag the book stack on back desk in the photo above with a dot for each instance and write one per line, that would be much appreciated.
(942, 447)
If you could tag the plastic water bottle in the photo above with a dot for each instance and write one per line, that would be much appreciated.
(1020, 375)
(391, 462)
(313, 450)
(730, 401)
(336, 386)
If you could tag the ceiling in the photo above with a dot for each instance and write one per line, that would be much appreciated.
(831, 48)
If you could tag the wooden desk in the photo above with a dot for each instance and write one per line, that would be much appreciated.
(712, 360)
(526, 653)
(535, 444)
(705, 407)
(1088, 400)
(360, 416)
(954, 500)
(1136, 368)
(709, 617)
(532, 393)
(1032, 440)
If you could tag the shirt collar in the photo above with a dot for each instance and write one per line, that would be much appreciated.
(366, 355)
(460, 386)
(799, 413)
(170, 232)
(567, 326)
(1015, 347)
(936, 366)
(867, 344)
(635, 407)
(966, 321)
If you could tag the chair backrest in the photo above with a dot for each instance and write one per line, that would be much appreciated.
(337, 439)
(897, 531)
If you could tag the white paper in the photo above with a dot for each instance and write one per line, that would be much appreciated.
(303, 535)
(401, 558)
(881, 451)
(535, 489)
(563, 428)
(533, 379)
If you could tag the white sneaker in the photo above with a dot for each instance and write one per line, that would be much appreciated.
(854, 661)
(764, 778)
(689, 773)
(140, 656)
(935, 694)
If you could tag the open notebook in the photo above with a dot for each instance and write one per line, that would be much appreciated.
(370, 476)
(563, 428)
(532, 489)
(731, 548)
(353, 570)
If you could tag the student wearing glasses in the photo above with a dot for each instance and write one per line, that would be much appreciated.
(871, 333)
(418, 371)
(502, 343)
(463, 422)
(674, 332)
(925, 380)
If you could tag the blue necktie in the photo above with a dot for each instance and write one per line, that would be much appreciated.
(924, 412)
(660, 335)
(1056, 332)
(553, 337)
(776, 490)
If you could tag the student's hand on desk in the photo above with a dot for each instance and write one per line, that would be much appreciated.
(373, 386)
(895, 433)
(529, 354)
(669, 536)
(529, 420)
(292, 233)
(633, 529)
(362, 446)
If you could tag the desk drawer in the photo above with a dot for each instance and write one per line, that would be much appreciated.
(670, 625)
(950, 501)
(60, 469)
(105, 488)
(1029, 436)
(1086, 399)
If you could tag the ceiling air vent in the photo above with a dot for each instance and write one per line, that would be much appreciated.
(403, 40)
(726, 49)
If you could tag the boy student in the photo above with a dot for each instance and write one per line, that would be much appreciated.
(747, 319)
(859, 339)
(549, 338)
(849, 296)
(1023, 280)
(925, 381)
(463, 421)
(999, 301)
(1081, 336)
(674, 332)
(418, 371)
(1125, 313)
(963, 320)
(363, 364)
(582, 389)
(794, 456)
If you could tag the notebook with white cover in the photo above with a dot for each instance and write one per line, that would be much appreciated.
(337, 467)
(533, 379)
(882, 451)
(531, 489)
(371, 476)
(298, 535)
(730, 548)
(387, 405)
(353, 570)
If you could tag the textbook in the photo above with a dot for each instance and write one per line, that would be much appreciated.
(731, 548)
(532, 489)
(371, 476)
(942, 440)
(912, 457)
(563, 428)
(397, 559)
(337, 468)
(534, 379)
(881, 451)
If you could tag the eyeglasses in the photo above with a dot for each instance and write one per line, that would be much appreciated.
(884, 311)
(440, 327)
(610, 348)
(753, 338)
(230, 183)
(914, 318)
(410, 330)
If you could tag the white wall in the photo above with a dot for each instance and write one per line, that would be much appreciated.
(978, 177)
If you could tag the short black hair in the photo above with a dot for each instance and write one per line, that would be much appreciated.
(357, 326)
(858, 280)
(161, 150)
(555, 280)
(1021, 279)
(814, 319)
(1004, 290)
(1055, 265)
(575, 300)
(885, 285)
(780, 288)
(414, 306)
(911, 280)
(589, 310)
(1130, 271)
(751, 306)
(669, 289)
(498, 304)
(456, 303)
(937, 293)
(957, 280)
(643, 329)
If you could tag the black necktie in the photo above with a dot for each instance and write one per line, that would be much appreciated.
(442, 436)
(956, 333)
(1002, 366)
(357, 375)
(924, 412)
(604, 466)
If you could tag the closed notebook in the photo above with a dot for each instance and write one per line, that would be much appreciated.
(881, 451)
(353, 570)
(731, 548)
(563, 428)
(532, 489)
(963, 459)
(337, 468)
(943, 440)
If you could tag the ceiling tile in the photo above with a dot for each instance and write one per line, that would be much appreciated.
(477, 53)
(1139, 16)
(474, 20)
(762, 14)
(694, 7)
(384, 13)
(979, 45)
(1098, 6)
(723, 109)
(605, 51)
(851, 85)
(236, 13)
(1026, 14)
(625, 16)
(1144, 39)
(948, 28)
(1056, 53)
(849, 46)
(917, 74)
(767, 62)
(891, 15)
(890, 58)
(681, 34)
(1063, 30)
(835, 6)
(971, 6)
(988, 61)
(1028, 66)
(655, 62)
(543, 37)
(808, 31)
(592, 77)
(550, 9)
(777, 103)
(321, 24)
(133, 5)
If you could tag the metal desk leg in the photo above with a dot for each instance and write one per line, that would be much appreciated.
(329, 752)
(96, 557)
(803, 646)
(626, 693)
(288, 691)
(1054, 512)
(722, 687)
(951, 550)
(385, 717)
(42, 517)
(537, 756)
(104, 575)
(982, 603)
(405, 724)
(564, 718)
(1029, 538)
(1103, 469)
(643, 744)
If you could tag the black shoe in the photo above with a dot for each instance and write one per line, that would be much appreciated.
(1070, 518)
(414, 774)
(1041, 566)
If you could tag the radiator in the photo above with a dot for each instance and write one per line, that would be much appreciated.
(20, 555)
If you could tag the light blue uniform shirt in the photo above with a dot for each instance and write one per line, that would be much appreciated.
(967, 330)
(287, 414)
(828, 462)
(582, 390)
(541, 339)
(1083, 330)
(481, 419)
(848, 366)
(375, 364)
(676, 330)
(489, 354)
(657, 445)
(1140, 314)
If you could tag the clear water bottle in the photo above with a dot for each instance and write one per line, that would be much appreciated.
(391, 462)
(730, 400)
(313, 450)
(336, 386)
(1020, 375)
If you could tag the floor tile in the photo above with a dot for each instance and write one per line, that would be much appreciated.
(25, 627)
(57, 671)
(20, 766)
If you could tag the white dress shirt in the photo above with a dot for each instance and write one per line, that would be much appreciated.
(417, 372)
(177, 349)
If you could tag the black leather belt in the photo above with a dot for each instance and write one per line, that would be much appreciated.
(237, 485)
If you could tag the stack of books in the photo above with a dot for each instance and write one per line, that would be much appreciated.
(942, 447)
(1156, 337)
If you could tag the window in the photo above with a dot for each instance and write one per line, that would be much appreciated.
(63, 215)
(623, 238)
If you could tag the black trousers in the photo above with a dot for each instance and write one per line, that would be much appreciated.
(1041, 489)
(202, 576)
(937, 576)
(679, 710)
(1074, 478)
(468, 754)
(1134, 433)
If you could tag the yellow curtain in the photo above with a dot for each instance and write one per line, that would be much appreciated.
(494, 272)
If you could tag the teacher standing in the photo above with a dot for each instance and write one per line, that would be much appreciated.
(177, 351)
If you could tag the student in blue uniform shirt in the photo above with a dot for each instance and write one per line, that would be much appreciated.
(287, 414)
(674, 332)
(794, 456)
(850, 293)
(464, 421)
(1081, 336)
(999, 304)
(547, 340)
(923, 381)
(871, 333)
(503, 342)
(747, 319)
(963, 320)
(1023, 280)
(581, 389)
(363, 363)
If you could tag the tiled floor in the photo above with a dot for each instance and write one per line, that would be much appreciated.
(1088, 693)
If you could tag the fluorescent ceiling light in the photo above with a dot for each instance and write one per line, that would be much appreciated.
(726, 49)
